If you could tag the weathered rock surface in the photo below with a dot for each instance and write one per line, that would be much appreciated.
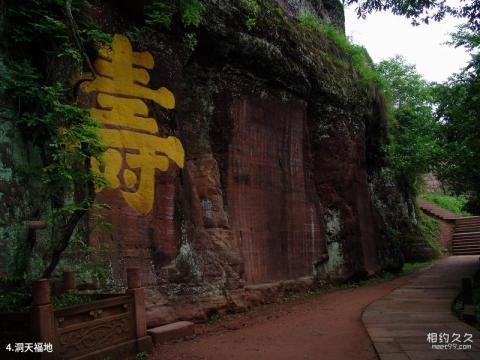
(282, 175)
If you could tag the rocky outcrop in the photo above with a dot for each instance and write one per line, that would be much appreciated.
(267, 172)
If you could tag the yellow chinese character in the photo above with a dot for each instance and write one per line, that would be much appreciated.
(135, 150)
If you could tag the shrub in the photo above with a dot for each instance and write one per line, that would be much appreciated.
(358, 54)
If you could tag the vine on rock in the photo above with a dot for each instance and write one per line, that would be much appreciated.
(47, 43)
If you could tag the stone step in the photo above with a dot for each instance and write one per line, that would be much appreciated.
(467, 252)
(469, 233)
(171, 332)
(466, 241)
(473, 224)
(466, 246)
(466, 237)
(468, 229)
(467, 220)
(466, 232)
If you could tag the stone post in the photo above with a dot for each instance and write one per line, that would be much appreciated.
(68, 281)
(144, 342)
(42, 316)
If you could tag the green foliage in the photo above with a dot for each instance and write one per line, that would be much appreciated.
(458, 110)
(141, 355)
(394, 236)
(92, 268)
(190, 41)
(457, 101)
(252, 8)
(407, 87)
(43, 22)
(251, 23)
(213, 316)
(48, 42)
(430, 231)
(467, 38)
(191, 12)
(69, 299)
(73, 142)
(14, 295)
(250, 5)
(310, 21)
(278, 11)
(358, 54)
(414, 147)
(455, 204)
(424, 11)
(161, 15)
(409, 268)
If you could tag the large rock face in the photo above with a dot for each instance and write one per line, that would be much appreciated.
(274, 205)
(253, 159)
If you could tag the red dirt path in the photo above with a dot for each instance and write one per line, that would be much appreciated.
(326, 326)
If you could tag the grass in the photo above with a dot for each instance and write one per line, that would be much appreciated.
(455, 204)
(409, 268)
(430, 230)
(358, 54)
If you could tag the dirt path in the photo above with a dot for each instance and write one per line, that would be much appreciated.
(327, 326)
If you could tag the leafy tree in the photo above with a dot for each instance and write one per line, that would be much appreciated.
(165, 15)
(459, 112)
(457, 100)
(46, 42)
(423, 10)
(414, 145)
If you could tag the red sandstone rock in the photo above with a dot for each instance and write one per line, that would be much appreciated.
(271, 203)
(263, 166)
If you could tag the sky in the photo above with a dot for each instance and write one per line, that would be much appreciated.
(384, 35)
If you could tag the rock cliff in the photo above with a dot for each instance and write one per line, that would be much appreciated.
(258, 164)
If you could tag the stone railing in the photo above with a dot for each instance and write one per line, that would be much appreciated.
(112, 327)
